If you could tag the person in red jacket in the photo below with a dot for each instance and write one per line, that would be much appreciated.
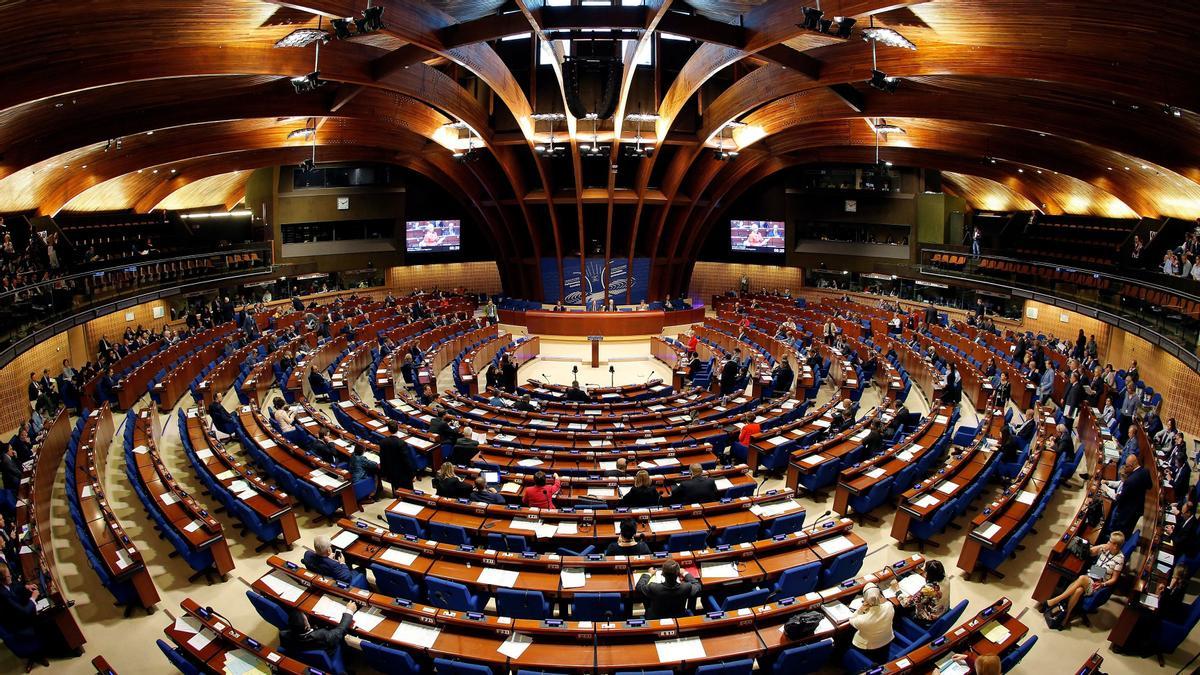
(540, 495)
(693, 342)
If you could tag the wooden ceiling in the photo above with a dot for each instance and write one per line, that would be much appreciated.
(1064, 95)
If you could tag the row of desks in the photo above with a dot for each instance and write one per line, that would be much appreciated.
(191, 521)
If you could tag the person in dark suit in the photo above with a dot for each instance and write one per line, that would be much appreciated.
(18, 613)
(1004, 391)
(1073, 397)
(320, 384)
(221, 418)
(620, 470)
(441, 428)
(897, 420)
(10, 468)
(781, 378)
(1179, 475)
(323, 560)
(1185, 533)
(300, 636)
(525, 404)
(1009, 449)
(447, 483)
(508, 370)
(1130, 500)
(360, 467)
(322, 447)
(575, 393)
(1027, 428)
(395, 460)
(1172, 602)
(693, 366)
(465, 448)
(669, 598)
(485, 494)
(696, 489)
(729, 376)
(1063, 445)
(873, 442)
(642, 493)
(627, 543)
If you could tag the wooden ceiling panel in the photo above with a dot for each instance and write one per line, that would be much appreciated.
(986, 194)
(223, 189)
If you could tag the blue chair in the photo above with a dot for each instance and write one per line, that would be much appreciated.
(449, 667)
(396, 583)
(388, 660)
(1092, 603)
(797, 581)
(751, 598)
(803, 659)
(453, 595)
(825, 474)
(320, 659)
(741, 667)
(1170, 634)
(1014, 657)
(519, 604)
(792, 522)
(738, 534)
(856, 662)
(402, 524)
(176, 657)
(923, 531)
(269, 610)
(875, 497)
(910, 630)
(448, 534)
(687, 541)
(510, 543)
(598, 607)
(644, 672)
(739, 491)
(844, 566)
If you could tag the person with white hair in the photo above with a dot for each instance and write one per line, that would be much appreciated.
(324, 561)
(873, 625)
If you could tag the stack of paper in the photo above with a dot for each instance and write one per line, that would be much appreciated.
(329, 608)
(283, 586)
(573, 577)
(995, 632)
(344, 539)
(926, 501)
(669, 525)
(836, 545)
(726, 570)
(515, 645)
(680, 649)
(416, 634)
(838, 612)
(988, 531)
(496, 577)
(399, 556)
(723, 483)
(912, 584)
(1026, 497)
(876, 472)
(946, 487)
(367, 620)
(404, 508)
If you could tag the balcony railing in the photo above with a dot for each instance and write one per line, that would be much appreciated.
(1166, 315)
(36, 311)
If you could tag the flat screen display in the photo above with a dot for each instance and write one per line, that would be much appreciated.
(763, 236)
(429, 236)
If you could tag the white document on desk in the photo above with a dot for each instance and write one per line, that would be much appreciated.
(344, 539)
(836, 545)
(187, 624)
(416, 634)
(665, 525)
(242, 662)
(912, 584)
(727, 570)
(876, 472)
(283, 586)
(123, 559)
(1026, 497)
(988, 531)
(329, 608)
(926, 501)
(723, 483)
(947, 487)
(404, 508)
(515, 645)
(399, 556)
(168, 498)
(574, 577)
(497, 577)
(681, 649)
(200, 640)
(838, 612)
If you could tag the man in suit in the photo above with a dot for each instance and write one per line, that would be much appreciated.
(509, 371)
(1027, 428)
(485, 494)
(873, 442)
(1073, 398)
(395, 463)
(1185, 533)
(729, 376)
(1130, 499)
(300, 636)
(693, 366)
(897, 420)
(577, 394)
(10, 468)
(441, 428)
(321, 446)
(782, 377)
(697, 489)
(222, 419)
(1063, 445)
(1179, 475)
(323, 561)
(465, 448)
(621, 471)
(669, 598)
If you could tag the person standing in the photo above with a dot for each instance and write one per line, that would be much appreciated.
(395, 460)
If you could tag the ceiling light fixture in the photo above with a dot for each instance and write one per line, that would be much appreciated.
(812, 18)
(879, 79)
(720, 153)
(306, 132)
(549, 150)
(845, 25)
(307, 83)
(1172, 111)
(881, 126)
(638, 150)
(302, 37)
(371, 21)
(888, 37)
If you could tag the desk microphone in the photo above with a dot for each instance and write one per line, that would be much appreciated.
(545, 378)
(823, 516)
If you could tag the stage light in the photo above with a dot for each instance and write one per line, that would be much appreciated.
(306, 132)
(883, 82)
(888, 37)
(884, 127)
(307, 83)
(1172, 111)
(341, 28)
(826, 24)
(302, 37)
(812, 18)
(308, 166)
(372, 20)
(845, 24)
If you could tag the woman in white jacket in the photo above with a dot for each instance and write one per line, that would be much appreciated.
(873, 625)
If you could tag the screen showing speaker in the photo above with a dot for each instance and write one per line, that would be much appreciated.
(430, 236)
(763, 236)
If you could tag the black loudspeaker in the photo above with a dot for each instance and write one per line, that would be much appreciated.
(605, 72)
(933, 180)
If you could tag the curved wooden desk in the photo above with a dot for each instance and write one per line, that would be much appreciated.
(582, 324)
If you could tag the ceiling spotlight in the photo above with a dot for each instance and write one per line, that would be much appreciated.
(547, 117)
(371, 21)
(309, 82)
(308, 166)
(638, 151)
(302, 37)
(306, 132)
(989, 160)
(812, 18)
(1172, 111)
(884, 127)
(1020, 170)
(888, 37)
(845, 24)
(341, 28)
(722, 155)
(883, 82)
(455, 125)
(594, 150)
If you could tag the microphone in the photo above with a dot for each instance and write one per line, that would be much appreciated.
(823, 516)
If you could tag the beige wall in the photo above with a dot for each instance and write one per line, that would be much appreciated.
(481, 276)
(715, 278)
